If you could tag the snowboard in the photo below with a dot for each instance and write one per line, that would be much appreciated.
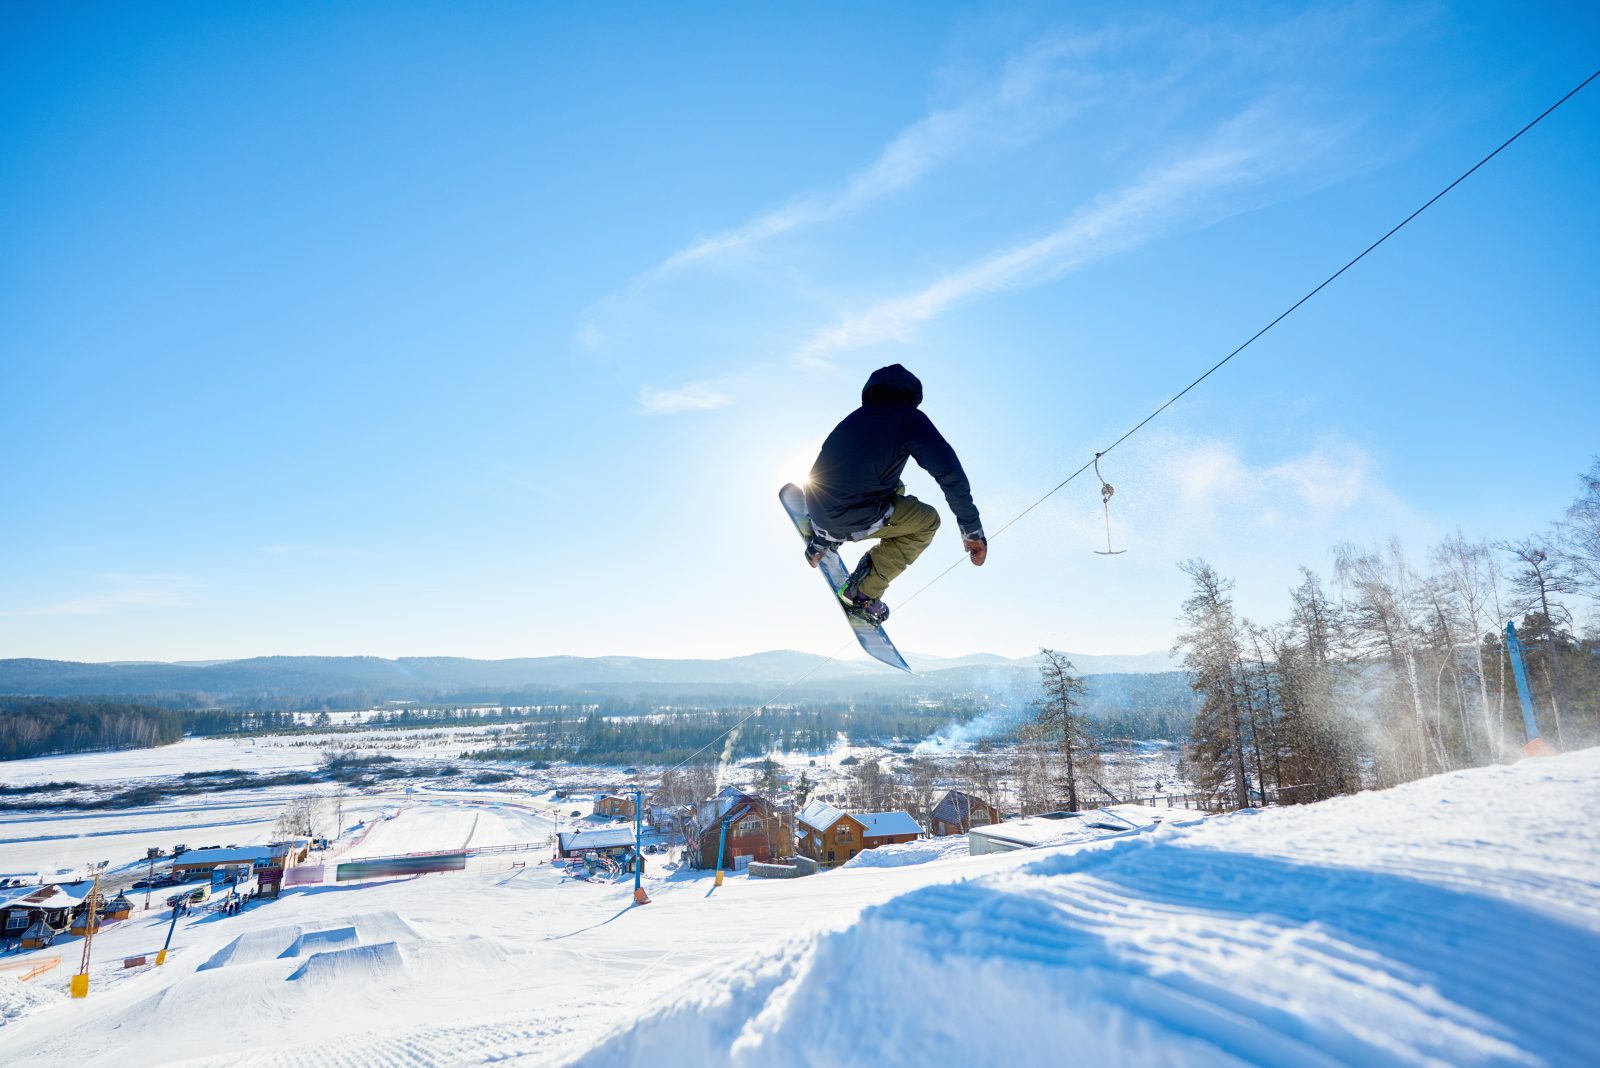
(874, 642)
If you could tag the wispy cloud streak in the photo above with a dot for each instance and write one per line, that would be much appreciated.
(694, 397)
(1022, 102)
(1112, 223)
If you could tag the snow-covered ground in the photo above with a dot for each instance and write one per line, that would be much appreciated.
(60, 841)
(1454, 920)
(191, 754)
(440, 825)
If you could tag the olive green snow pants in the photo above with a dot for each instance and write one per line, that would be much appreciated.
(901, 540)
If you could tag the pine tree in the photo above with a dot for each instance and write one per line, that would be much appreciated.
(1061, 720)
(1210, 648)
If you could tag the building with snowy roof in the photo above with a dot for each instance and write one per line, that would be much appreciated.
(831, 836)
(828, 835)
(283, 854)
(51, 907)
(737, 828)
(615, 805)
(615, 842)
(958, 812)
(889, 828)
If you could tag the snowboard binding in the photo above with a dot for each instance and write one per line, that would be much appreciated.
(857, 603)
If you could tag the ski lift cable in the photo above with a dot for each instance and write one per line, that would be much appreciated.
(1254, 337)
(1140, 425)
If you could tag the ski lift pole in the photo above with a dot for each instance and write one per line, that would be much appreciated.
(78, 985)
(161, 958)
(639, 896)
(1535, 744)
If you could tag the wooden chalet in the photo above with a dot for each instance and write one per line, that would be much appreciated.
(958, 813)
(37, 914)
(614, 805)
(830, 836)
(756, 829)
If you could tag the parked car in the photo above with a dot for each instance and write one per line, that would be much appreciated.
(576, 814)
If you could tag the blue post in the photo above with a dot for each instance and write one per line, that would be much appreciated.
(1524, 691)
(639, 896)
(161, 958)
(722, 842)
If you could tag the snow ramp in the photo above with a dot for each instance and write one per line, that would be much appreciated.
(300, 940)
(359, 964)
(1404, 947)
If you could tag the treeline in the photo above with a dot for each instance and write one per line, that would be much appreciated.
(40, 726)
(1400, 670)
(670, 737)
(46, 726)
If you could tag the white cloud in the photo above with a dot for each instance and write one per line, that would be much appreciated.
(1213, 480)
(1022, 102)
(695, 397)
(1110, 224)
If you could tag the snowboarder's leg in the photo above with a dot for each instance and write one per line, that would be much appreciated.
(902, 539)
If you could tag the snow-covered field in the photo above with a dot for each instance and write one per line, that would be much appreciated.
(191, 754)
(1454, 920)
(58, 841)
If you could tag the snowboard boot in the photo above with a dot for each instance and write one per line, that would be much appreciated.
(854, 600)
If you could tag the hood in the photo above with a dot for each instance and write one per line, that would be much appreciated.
(892, 385)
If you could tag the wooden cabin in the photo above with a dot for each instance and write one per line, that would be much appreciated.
(45, 910)
(615, 805)
(830, 836)
(958, 813)
(38, 935)
(118, 908)
(755, 829)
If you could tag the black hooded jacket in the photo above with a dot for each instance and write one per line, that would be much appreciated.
(859, 468)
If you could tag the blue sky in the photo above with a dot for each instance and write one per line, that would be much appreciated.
(492, 330)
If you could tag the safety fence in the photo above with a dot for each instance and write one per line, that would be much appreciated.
(24, 970)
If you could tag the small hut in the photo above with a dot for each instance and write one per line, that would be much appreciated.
(119, 908)
(38, 935)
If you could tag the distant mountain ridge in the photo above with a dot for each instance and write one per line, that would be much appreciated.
(411, 678)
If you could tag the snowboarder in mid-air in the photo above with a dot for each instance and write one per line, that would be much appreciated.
(854, 491)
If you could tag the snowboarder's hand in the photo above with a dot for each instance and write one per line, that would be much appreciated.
(817, 548)
(977, 548)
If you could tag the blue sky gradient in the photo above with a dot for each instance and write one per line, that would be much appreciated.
(493, 330)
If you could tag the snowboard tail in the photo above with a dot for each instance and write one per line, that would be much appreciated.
(874, 641)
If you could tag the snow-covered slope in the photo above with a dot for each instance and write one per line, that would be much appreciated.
(1454, 920)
